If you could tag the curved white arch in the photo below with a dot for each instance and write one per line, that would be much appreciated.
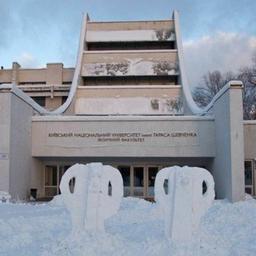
(194, 108)
(18, 92)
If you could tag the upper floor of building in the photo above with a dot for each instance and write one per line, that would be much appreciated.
(123, 67)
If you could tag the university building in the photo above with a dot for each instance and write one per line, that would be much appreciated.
(126, 103)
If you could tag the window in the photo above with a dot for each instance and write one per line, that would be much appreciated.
(131, 80)
(50, 181)
(32, 83)
(248, 176)
(39, 100)
(63, 99)
(53, 174)
(139, 45)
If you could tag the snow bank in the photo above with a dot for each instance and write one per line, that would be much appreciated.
(4, 197)
(137, 229)
(97, 194)
(186, 202)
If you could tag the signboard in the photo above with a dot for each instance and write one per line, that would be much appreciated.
(123, 138)
(170, 138)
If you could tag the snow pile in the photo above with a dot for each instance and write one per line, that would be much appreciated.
(4, 197)
(186, 201)
(137, 229)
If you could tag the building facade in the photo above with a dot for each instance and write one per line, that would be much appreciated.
(126, 103)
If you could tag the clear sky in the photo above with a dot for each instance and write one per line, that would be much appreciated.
(217, 34)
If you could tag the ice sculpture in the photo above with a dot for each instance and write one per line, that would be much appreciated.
(96, 196)
(190, 194)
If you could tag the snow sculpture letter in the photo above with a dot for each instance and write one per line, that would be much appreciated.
(97, 194)
(190, 194)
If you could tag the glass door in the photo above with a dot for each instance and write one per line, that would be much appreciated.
(126, 175)
(151, 173)
(62, 170)
(51, 180)
(138, 184)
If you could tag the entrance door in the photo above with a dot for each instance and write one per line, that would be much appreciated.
(134, 180)
(138, 185)
(62, 170)
(51, 180)
(151, 173)
(125, 171)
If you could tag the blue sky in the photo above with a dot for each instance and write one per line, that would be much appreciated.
(217, 34)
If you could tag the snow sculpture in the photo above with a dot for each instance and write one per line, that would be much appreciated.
(97, 194)
(190, 194)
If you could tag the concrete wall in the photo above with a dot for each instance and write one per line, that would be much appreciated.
(122, 56)
(128, 100)
(20, 147)
(228, 165)
(135, 25)
(53, 103)
(5, 103)
(15, 125)
(250, 139)
(53, 74)
(85, 92)
(123, 137)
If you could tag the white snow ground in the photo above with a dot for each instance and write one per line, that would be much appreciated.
(137, 229)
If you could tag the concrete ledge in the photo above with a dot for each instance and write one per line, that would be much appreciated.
(249, 122)
(119, 118)
(233, 84)
(88, 87)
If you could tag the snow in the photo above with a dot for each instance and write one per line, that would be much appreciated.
(4, 196)
(186, 202)
(137, 229)
(128, 35)
(90, 203)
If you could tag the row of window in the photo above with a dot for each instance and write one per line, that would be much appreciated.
(138, 180)
(41, 100)
(131, 80)
(142, 45)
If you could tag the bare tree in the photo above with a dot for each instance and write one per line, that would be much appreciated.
(248, 76)
(212, 82)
